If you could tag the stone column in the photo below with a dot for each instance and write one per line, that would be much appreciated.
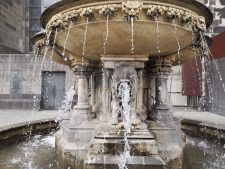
(92, 90)
(161, 69)
(82, 92)
(105, 95)
(141, 108)
(82, 111)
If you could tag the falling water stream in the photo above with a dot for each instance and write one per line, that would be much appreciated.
(157, 35)
(132, 34)
(67, 103)
(207, 50)
(107, 34)
(54, 41)
(32, 60)
(178, 42)
(46, 49)
(65, 43)
(124, 93)
(85, 39)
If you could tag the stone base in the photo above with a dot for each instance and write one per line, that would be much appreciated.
(171, 142)
(162, 116)
(81, 114)
(108, 144)
(153, 146)
(135, 162)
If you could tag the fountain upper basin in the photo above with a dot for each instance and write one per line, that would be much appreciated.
(69, 19)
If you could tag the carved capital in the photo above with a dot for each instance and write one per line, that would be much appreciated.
(82, 70)
(160, 67)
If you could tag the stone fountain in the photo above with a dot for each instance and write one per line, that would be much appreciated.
(110, 45)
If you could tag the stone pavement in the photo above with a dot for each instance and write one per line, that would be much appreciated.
(17, 118)
(203, 118)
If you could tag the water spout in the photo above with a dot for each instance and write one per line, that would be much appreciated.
(85, 39)
(53, 47)
(65, 43)
(46, 48)
(158, 35)
(178, 42)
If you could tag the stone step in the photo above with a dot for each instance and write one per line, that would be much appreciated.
(120, 135)
(135, 162)
(139, 147)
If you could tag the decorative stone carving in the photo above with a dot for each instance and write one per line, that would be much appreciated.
(57, 22)
(185, 17)
(132, 9)
(129, 74)
(129, 9)
(39, 45)
(107, 10)
(82, 70)
(154, 11)
(199, 24)
(87, 12)
(71, 16)
(169, 13)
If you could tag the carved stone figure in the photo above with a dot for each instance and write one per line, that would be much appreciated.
(132, 8)
(199, 23)
(121, 73)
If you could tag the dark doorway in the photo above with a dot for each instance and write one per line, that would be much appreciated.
(53, 90)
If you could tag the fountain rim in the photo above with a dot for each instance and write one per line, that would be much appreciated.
(60, 6)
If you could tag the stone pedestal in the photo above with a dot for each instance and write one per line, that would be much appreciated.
(161, 69)
(77, 133)
(82, 111)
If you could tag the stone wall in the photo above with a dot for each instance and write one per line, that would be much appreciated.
(13, 26)
(20, 81)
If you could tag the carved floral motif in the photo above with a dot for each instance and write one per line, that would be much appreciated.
(107, 10)
(87, 12)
